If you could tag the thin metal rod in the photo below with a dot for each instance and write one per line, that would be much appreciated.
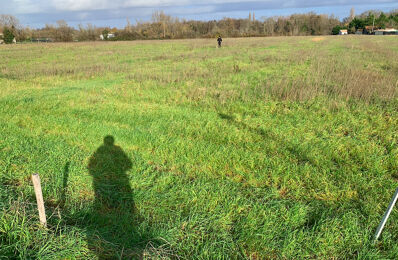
(386, 215)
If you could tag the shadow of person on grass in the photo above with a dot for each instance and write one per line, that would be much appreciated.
(112, 224)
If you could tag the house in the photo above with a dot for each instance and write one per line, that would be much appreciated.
(343, 32)
(43, 39)
(110, 35)
(369, 29)
(387, 31)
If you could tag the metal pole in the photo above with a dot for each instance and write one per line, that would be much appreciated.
(386, 215)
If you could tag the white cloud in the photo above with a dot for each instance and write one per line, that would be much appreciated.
(83, 5)
(39, 12)
(20, 6)
(43, 6)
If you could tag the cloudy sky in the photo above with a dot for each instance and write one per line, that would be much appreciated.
(36, 13)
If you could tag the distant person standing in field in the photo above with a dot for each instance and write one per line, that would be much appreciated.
(219, 40)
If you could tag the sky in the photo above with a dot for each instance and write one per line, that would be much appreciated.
(114, 13)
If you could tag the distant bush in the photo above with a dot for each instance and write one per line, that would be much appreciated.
(336, 30)
(8, 36)
(105, 33)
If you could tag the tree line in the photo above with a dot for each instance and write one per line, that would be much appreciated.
(378, 20)
(373, 19)
(163, 26)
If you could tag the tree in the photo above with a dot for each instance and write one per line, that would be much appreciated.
(357, 23)
(11, 23)
(336, 30)
(164, 24)
(105, 33)
(352, 14)
(393, 19)
(64, 33)
(8, 36)
(86, 33)
(382, 20)
(128, 27)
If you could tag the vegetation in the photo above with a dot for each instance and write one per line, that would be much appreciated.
(337, 28)
(8, 36)
(12, 25)
(281, 147)
(105, 34)
(163, 26)
(376, 19)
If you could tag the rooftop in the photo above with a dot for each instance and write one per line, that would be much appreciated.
(387, 30)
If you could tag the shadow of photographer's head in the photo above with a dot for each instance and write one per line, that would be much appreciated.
(109, 140)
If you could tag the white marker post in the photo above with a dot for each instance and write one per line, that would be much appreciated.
(386, 215)
(39, 199)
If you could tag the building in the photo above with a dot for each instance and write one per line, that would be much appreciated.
(369, 29)
(343, 32)
(41, 39)
(110, 35)
(387, 31)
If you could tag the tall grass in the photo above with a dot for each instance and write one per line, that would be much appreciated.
(264, 148)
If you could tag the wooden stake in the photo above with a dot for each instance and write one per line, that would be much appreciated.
(39, 199)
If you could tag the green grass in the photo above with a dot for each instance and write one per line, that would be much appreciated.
(265, 148)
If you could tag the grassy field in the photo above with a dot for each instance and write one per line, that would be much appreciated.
(266, 148)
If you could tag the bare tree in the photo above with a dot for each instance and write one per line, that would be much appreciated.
(10, 21)
(64, 33)
(352, 14)
(163, 20)
(88, 33)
